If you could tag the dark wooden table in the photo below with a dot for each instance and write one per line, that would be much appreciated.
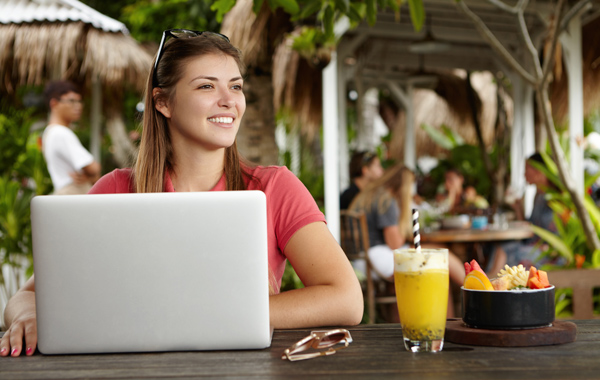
(515, 231)
(377, 352)
(468, 243)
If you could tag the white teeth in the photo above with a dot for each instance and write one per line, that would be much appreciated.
(222, 120)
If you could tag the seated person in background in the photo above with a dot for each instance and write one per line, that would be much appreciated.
(458, 198)
(378, 201)
(524, 252)
(365, 167)
(474, 200)
(72, 168)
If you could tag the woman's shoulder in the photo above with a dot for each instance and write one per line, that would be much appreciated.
(266, 175)
(117, 181)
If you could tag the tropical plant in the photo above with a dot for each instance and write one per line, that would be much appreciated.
(23, 174)
(569, 241)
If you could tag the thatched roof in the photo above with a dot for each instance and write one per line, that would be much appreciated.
(447, 105)
(296, 82)
(67, 40)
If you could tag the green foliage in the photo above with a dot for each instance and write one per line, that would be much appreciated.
(417, 13)
(14, 134)
(569, 240)
(146, 19)
(221, 7)
(444, 137)
(465, 158)
(15, 224)
(23, 174)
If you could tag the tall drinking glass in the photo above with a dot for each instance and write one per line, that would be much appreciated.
(421, 280)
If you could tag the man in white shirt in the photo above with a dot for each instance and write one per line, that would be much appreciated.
(72, 168)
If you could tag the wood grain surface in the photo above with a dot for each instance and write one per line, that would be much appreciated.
(377, 352)
(559, 333)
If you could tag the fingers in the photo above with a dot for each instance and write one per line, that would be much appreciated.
(30, 338)
(16, 339)
(12, 341)
(5, 344)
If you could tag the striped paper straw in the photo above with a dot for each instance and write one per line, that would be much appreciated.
(416, 233)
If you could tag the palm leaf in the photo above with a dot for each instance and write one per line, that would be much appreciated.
(555, 242)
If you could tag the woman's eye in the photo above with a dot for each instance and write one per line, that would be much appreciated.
(237, 87)
(205, 86)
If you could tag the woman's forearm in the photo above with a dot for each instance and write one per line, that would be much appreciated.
(320, 305)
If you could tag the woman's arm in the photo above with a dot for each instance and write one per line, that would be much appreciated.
(21, 321)
(332, 295)
(393, 237)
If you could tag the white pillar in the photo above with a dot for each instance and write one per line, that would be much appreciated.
(410, 141)
(331, 147)
(571, 42)
(522, 139)
(344, 155)
(96, 119)
(331, 127)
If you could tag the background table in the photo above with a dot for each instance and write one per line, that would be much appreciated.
(515, 231)
(377, 352)
(468, 243)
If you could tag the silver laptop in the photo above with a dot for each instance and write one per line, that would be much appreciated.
(151, 272)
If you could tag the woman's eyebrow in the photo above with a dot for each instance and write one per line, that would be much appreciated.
(215, 79)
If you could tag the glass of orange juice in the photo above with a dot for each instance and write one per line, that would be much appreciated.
(421, 281)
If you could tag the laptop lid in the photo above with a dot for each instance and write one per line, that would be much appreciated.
(151, 272)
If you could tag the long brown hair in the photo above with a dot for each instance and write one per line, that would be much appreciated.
(383, 190)
(395, 184)
(155, 156)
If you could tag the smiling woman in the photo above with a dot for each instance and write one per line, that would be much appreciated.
(194, 105)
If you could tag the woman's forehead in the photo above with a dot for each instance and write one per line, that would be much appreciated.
(213, 65)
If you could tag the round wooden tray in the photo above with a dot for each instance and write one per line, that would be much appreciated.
(560, 332)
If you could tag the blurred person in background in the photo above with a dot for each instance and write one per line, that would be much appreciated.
(72, 168)
(365, 167)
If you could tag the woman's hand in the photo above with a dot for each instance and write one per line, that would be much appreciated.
(25, 326)
(21, 319)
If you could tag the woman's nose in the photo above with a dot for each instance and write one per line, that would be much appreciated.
(226, 100)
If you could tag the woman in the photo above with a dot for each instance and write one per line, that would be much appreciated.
(194, 105)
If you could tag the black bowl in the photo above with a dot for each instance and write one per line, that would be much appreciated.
(508, 309)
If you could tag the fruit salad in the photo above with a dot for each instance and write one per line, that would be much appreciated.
(509, 278)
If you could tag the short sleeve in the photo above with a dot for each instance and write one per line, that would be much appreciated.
(389, 217)
(71, 149)
(290, 205)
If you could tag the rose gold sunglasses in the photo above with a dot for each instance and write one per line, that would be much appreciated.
(318, 340)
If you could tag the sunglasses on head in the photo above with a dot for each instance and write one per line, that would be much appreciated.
(177, 33)
(367, 158)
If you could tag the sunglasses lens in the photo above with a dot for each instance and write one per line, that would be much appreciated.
(331, 340)
(183, 33)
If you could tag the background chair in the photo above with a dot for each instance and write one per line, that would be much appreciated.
(354, 237)
(583, 282)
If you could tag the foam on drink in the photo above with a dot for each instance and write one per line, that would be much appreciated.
(409, 260)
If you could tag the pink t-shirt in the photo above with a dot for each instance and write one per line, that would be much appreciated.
(289, 205)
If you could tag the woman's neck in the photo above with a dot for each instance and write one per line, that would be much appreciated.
(200, 172)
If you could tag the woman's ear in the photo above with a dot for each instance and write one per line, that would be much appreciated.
(160, 102)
